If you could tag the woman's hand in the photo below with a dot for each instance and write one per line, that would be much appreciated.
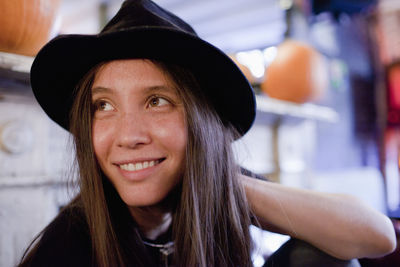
(340, 225)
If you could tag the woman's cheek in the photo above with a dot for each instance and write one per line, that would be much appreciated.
(172, 129)
(101, 137)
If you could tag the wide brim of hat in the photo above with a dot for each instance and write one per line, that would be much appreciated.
(61, 64)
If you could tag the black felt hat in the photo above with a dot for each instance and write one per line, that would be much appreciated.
(141, 29)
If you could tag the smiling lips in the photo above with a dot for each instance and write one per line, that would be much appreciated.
(139, 165)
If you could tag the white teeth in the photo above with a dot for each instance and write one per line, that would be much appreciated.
(131, 166)
(138, 166)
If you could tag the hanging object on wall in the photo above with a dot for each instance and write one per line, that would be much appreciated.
(16, 137)
(25, 26)
(298, 73)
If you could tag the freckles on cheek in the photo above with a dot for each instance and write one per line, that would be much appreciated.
(99, 137)
(172, 128)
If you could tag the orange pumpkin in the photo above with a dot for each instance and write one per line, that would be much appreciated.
(297, 74)
(25, 25)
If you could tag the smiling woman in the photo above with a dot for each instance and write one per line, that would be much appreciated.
(145, 113)
(158, 182)
(138, 121)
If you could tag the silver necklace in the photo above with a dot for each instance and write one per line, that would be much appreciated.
(166, 249)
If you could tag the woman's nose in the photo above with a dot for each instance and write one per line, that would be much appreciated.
(132, 131)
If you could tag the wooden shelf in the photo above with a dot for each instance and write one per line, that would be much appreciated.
(270, 110)
(14, 62)
(15, 68)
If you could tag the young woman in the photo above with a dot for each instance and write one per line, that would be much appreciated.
(153, 110)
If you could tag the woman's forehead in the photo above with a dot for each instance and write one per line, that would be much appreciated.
(129, 67)
(133, 72)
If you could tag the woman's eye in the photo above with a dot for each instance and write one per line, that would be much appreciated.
(103, 106)
(158, 101)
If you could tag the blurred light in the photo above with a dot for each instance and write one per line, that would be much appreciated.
(290, 165)
(270, 54)
(392, 185)
(254, 60)
(392, 144)
(286, 4)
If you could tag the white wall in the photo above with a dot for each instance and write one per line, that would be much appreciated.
(34, 163)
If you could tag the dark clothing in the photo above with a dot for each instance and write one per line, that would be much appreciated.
(297, 253)
(66, 242)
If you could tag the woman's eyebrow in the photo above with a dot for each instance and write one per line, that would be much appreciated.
(100, 89)
(160, 88)
(148, 90)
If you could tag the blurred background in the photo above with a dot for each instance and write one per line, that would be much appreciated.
(327, 78)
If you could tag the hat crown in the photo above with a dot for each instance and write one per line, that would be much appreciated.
(142, 30)
(145, 13)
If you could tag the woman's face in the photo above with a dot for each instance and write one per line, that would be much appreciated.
(139, 130)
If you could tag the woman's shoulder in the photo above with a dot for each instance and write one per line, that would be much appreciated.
(64, 242)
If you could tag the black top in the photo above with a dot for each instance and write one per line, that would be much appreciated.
(66, 242)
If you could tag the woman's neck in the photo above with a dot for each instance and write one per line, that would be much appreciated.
(152, 221)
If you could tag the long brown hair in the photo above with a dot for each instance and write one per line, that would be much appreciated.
(211, 217)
